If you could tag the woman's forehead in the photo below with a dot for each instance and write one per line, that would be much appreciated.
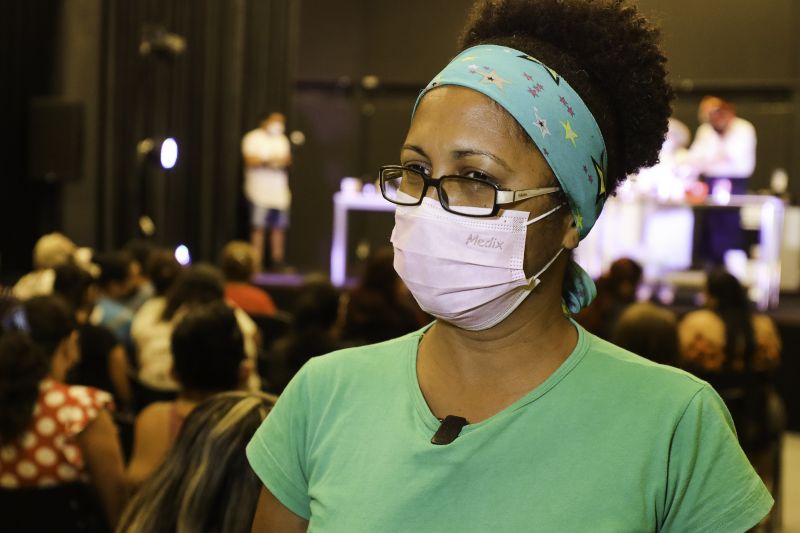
(460, 107)
(452, 118)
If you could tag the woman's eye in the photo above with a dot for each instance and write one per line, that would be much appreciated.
(418, 168)
(477, 174)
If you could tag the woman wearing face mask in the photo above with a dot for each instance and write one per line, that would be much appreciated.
(504, 414)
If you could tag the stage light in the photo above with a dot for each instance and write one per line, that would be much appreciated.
(182, 255)
(161, 151)
(169, 153)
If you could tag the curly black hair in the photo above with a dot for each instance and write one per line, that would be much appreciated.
(607, 51)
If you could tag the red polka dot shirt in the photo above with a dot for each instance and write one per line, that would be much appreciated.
(47, 453)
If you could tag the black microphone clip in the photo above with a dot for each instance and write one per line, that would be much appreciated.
(449, 430)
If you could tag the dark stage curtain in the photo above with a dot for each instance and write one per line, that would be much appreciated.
(27, 37)
(234, 68)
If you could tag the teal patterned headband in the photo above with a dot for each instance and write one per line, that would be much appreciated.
(558, 122)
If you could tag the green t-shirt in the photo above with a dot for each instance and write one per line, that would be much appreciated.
(609, 442)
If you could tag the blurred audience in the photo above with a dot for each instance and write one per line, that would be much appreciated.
(152, 331)
(239, 260)
(650, 331)
(737, 351)
(117, 283)
(381, 307)
(162, 270)
(140, 250)
(103, 361)
(208, 357)
(52, 434)
(50, 251)
(205, 483)
(312, 332)
(616, 290)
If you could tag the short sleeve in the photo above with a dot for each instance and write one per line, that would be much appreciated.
(81, 408)
(711, 485)
(277, 452)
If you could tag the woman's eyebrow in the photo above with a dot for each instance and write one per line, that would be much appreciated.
(461, 154)
(415, 148)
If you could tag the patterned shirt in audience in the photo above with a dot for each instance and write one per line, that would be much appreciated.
(47, 453)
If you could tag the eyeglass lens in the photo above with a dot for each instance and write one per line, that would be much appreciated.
(461, 195)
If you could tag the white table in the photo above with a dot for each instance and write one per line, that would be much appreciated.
(634, 228)
(343, 203)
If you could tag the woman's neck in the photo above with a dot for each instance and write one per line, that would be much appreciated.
(476, 374)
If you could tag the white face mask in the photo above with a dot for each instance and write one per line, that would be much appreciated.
(464, 270)
(275, 128)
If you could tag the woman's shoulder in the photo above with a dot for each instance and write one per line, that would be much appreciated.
(155, 416)
(626, 371)
(73, 406)
(73, 394)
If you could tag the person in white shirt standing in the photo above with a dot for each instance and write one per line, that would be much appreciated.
(267, 155)
(724, 153)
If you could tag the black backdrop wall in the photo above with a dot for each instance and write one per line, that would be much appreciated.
(27, 57)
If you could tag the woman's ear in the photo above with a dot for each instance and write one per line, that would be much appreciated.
(571, 235)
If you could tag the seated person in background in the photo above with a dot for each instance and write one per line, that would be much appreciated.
(727, 335)
(140, 250)
(381, 307)
(737, 351)
(205, 483)
(650, 331)
(312, 332)
(51, 433)
(162, 270)
(103, 361)
(151, 332)
(615, 291)
(50, 251)
(208, 357)
(238, 266)
(117, 282)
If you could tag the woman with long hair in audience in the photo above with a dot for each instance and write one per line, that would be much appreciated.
(52, 434)
(208, 357)
(205, 483)
(737, 351)
(152, 332)
(505, 414)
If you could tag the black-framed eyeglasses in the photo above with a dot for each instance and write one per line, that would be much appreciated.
(462, 195)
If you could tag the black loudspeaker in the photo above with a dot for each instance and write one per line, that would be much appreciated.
(56, 140)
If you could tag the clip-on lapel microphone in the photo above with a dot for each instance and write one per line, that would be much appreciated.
(449, 430)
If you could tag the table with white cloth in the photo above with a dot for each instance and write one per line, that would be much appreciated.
(659, 235)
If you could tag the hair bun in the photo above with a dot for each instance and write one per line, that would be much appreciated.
(606, 50)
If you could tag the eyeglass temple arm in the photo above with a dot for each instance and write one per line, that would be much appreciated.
(509, 197)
